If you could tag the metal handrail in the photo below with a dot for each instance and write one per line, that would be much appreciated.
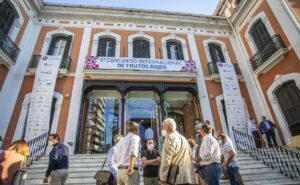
(8, 46)
(64, 64)
(37, 148)
(285, 161)
(213, 68)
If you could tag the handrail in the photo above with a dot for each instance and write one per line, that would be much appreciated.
(8, 46)
(37, 148)
(64, 64)
(287, 162)
(213, 68)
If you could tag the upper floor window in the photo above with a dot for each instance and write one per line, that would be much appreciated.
(174, 50)
(106, 47)
(260, 35)
(141, 48)
(7, 16)
(216, 53)
(60, 45)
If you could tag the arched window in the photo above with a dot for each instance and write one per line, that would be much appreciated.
(216, 53)
(174, 50)
(260, 35)
(141, 48)
(60, 45)
(106, 47)
(7, 16)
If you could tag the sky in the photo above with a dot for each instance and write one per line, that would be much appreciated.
(206, 7)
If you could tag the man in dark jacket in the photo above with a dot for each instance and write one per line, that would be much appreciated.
(58, 162)
(267, 127)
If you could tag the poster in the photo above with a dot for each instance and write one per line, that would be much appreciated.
(41, 97)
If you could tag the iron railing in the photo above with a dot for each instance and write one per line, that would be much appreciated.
(285, 161)
(8, 46)
(64, 64)
(213, 68)
(260, 57)
(37, 148)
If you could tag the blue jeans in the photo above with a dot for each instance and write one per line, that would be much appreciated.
(212, 173)
(232, 173)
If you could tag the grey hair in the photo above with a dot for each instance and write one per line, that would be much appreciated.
(171, 122)
(117, 138)
(132, 126)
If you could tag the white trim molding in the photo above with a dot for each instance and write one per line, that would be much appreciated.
(218, 42)
(277, 83)
(251, 22)
(143, 36)
(176, 38)
(18, 134)
(51, 34)
(106, 34)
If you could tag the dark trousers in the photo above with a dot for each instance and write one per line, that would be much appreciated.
(212, 173)
(271, 134)
(232, 174)
(256, 138)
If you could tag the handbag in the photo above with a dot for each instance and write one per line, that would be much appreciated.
(20, 177)
(104, 177)
(172, 174)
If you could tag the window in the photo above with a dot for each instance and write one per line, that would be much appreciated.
(7, 16)
(260, 35)
(174, 50)
(141, 48)
(60, 45)
(237, 2)
(216, 53)
(288, 96)
(106, 47)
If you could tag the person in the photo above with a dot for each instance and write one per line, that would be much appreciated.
(150, 162)
(176, 151)
(12, 160)
(112, 166)
(230, 161)
(210, 156)
(267, 127)
(142, 135)
(207, 122)
(58, 162)
(127, 153)
(253, 128)
(149, 134)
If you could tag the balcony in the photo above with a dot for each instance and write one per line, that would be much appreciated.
(9, 51)
(263, 60)
(215, 75)
(64, 68)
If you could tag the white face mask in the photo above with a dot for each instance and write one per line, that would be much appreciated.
(164, 133)
(220, 142)
(150, 146)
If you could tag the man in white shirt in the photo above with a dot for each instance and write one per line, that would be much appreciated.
(253, 128)
(210, 156)
(127, 153)
(112, 166)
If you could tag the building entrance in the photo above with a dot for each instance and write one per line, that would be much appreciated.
(108, 107)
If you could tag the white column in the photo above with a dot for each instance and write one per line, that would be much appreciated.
(14, 80)
(202, 90)
(73, 118)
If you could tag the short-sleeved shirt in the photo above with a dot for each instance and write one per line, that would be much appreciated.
(225, 149)
(150, 170)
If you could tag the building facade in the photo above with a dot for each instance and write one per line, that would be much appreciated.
(260, 38)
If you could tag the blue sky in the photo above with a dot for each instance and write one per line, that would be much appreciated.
(189, 6)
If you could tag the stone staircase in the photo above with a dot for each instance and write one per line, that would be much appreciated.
(83, 167)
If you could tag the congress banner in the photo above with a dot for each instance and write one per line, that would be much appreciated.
(235, 111)
(41, 97)
(142, 64)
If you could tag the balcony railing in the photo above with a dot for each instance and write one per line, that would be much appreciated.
(9, 47)
(213, 69)
(64, 64)
(259, 58)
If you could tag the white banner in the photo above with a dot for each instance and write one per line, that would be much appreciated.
(235, 110)
(41, 97)
(143, 64)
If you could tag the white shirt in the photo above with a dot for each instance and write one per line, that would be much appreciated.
(252, 126)
(225, 151)
(149, 134)
(112, 166)
(127, 147)
(210, 151)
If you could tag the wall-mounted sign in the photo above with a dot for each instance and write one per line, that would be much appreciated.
(41, 97)
(140, 64)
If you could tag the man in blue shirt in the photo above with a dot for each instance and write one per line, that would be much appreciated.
(58, 162)
(267, 127)
(149, 133)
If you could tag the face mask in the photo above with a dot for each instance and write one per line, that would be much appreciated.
(150, 146)
(164, 133)
(220, 142)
